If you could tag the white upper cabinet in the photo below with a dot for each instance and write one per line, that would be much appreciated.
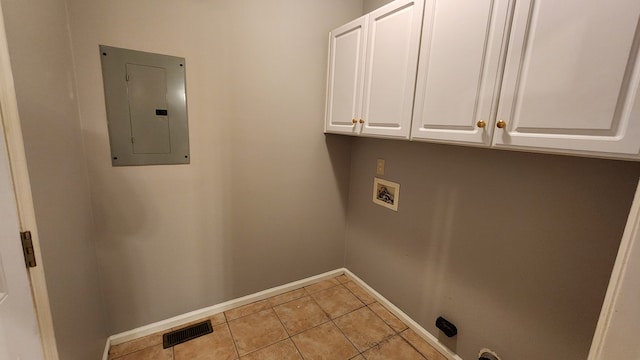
(391, 66)
(543, 75)
(571, 78)
(346, 69)
(372, 71)
(458, 75)
(532, 75)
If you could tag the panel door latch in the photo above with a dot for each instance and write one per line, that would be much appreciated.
(27, 249)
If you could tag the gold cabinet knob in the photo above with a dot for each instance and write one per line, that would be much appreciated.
(481, 123)
(501, 124)
(361, 121)
(354, 121)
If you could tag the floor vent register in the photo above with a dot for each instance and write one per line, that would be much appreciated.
(187, 333)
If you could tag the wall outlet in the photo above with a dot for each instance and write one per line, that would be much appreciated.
(380, 167)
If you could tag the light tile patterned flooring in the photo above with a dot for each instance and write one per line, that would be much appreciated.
(333, 319)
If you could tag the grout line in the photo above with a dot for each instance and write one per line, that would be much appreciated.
(377, 299)
(304, 291)
(282, 323)
(285, 328)
(410, 344)
(247, 305)
(320, 307)
(233, 338)
(346, 337)
(133, 352)
(297, 349)
(395, 333)
(273, 308)
(265, 346)
(336, 325)
(321, 290)
(386, 323)
(407, 320)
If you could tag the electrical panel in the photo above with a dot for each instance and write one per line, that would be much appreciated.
(146, 100)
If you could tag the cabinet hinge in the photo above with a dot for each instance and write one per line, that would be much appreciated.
(27, 249)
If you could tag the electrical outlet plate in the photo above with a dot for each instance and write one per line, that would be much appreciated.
(380, 167)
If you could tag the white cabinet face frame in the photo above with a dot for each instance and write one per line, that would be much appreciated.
(391, 66)
(571, 78)
(347, 46)
(459, 71)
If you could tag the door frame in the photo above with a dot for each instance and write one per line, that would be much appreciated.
(24, 200)
(618, 325)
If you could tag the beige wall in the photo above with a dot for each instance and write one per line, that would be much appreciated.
(43, 72)
(514, 248)
(263, 201)
(370, 5)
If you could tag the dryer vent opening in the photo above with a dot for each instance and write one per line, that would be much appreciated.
(486, 354)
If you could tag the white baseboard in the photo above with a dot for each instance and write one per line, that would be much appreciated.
(215, 309)
(212, 310)
(105, 353)
(427, 336)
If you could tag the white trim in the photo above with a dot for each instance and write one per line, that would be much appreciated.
(105, 353)
(216, 309)
(616, 334)
(424, 334)
(24, 199)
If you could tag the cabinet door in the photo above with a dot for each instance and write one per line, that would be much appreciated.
(571, 77)
(462, 43)
(391, 65)
(347, 46)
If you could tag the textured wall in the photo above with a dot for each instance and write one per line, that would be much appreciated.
(43, 71)
(263, 201)
(516, 249)
(370, 5)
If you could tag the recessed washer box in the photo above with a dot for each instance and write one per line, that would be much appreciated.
(146, 102)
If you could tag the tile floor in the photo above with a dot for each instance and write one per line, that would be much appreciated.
(333, 319)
